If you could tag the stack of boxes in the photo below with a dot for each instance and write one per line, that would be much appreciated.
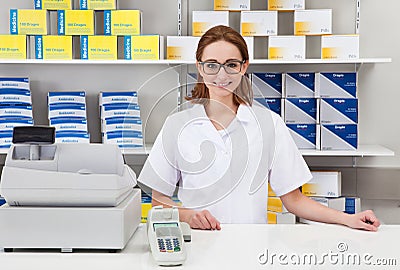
(67, 113)
(267, 89)
(120, 119)
(276, 211)
(15, 107)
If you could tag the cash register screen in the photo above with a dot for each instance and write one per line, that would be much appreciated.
(163, 225)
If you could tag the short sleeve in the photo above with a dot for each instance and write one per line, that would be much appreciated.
(288, 169)
(160, 171)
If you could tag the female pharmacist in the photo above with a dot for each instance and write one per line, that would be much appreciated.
(221, 152)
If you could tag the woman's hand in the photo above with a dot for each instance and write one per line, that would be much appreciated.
(365, 220)
(203, 220)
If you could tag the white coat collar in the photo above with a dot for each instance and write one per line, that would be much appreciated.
(243, 114)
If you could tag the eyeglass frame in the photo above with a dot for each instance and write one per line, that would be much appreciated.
(223, 65)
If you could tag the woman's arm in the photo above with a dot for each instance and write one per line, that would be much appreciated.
(302, 206)
(196, 219)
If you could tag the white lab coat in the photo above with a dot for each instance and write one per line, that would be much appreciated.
(225, 172)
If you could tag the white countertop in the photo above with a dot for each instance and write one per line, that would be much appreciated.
(238, 247)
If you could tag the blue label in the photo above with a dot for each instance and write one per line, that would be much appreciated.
(346, 106)
(38, 4)
(306, 79)
(127, 48)
(39, 47)
(117, 94)
(272, 79)
(83, 4)
(61, 22)
(72, 93)
(84, 47)
(346, 81)
(14, 21)
(274, 104)
(306, 131)
(107, 22)
(307, 105)
(123, 120)
(67, 106)
(347, 133)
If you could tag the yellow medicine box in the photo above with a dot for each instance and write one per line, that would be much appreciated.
(146, 47)
(97, 4)
(75, 22)
(52, 47)
(29, 22)
(53, 4)
(276, 205)
(12, 47)
(122, 22)
(99, 47)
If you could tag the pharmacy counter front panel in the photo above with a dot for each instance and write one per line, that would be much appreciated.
(239, 247)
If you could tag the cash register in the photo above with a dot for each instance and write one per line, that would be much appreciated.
(66, 196)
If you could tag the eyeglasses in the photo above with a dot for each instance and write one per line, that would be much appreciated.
(230, 67)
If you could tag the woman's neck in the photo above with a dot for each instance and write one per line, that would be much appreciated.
(221, 112)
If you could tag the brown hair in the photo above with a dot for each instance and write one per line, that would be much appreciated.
(243, 94)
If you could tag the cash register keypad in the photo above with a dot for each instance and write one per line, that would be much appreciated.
(168, 244)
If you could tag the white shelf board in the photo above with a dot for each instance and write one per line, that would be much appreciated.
(362, 151)
(178, 62)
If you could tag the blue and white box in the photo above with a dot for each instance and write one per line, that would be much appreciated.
(274, 104)
(339, 137)
(72, 137)
(122, 123)
(338, 111)
(16, 110)
(299, 84)
(304, 135)
(71, 124)
(300, 110)
(2, 201)
(15, 96)
(268, 85)
(6, 139)
(14, 82)
(124, 139)
(336, 84)
(119, 110)
(78, 97)
(130, 97)
(8, 124)
(67, 110)
(352, 205)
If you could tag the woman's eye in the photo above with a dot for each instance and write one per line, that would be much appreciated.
(232, 65)
(211, 66)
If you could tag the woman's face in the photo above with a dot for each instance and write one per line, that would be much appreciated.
(223, 82)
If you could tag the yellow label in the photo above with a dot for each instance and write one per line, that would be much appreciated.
(145, 211)
(32, 22)
(310, 189)
(199, 28)
(102, 48)
(249, 29)
(174, 53)
(145, 47)
(79, 22)
(12, 47)
(125, 22)
(271, 193)
(275, 53)
(57, 47)
(329, 53)
(275, 204)
(302, 28)
(56, 4)
(272, 218)
(101, 4)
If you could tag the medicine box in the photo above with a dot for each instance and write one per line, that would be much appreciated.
(343, 47)
(336, 84)
(122, 22)
(352, 205)
(299, 84)
(339, 137)
(338, 111)
(99, 48)
(280, 218)
(70, 124)
(144, 47)
(286, 5)
(182, 47)
(16, 110)
(121, 123)
(72, 137)
(118, 97)
(15, 96)
(259, 23)
(75, 22)
(53, 4)
(119, 110)
(14, 82)
(334, 203)
(267, 85)
(232, 5)
(6, 139)
(146, 206)
(288, 48)
(273, 104)
(66, 97)
(324, 184)
(66, 110)
(52, 47)
(250, 46)
(124, 139)
(29, 22)
(271, 193)
(97, 4)
(276, 205)
(313, 22)
(7, 124)
(300, 110)
(204, 20)
(304, 135)
(13, 47)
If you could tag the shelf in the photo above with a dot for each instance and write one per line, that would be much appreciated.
(362, 151)
(179, 62)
